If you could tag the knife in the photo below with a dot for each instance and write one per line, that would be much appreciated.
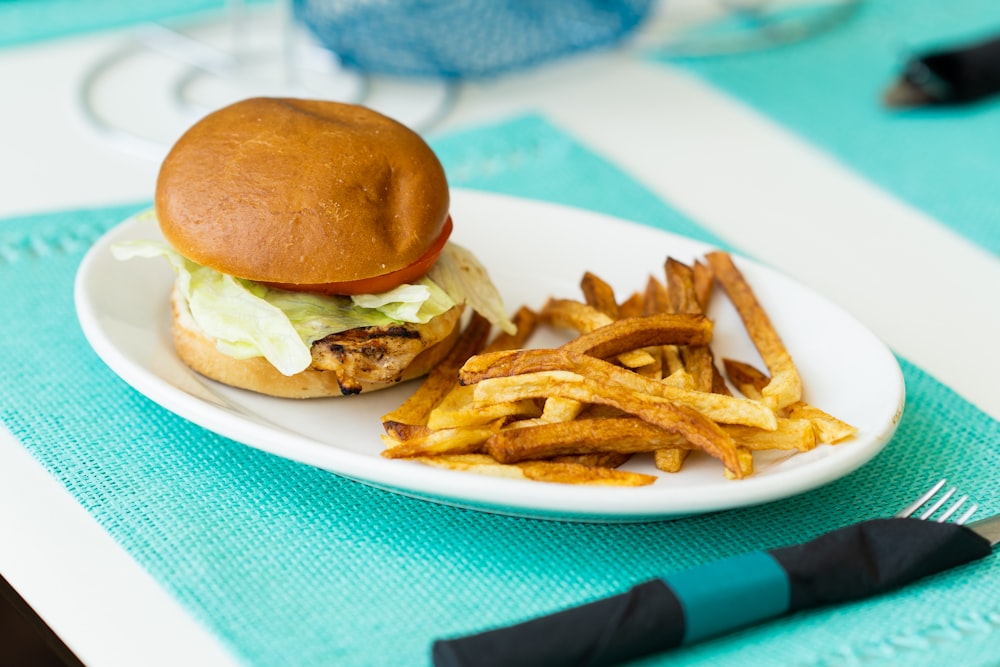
(681, 608)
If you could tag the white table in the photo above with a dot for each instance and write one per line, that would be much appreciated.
(683, 139)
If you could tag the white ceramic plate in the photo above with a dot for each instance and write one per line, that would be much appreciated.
(532, 250)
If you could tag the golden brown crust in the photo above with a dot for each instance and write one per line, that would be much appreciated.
(301, 191)
(256, 374)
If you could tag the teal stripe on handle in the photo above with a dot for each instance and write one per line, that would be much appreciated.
(729, 594)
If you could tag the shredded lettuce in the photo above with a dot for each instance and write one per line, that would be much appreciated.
(460, 274)
(248, 319)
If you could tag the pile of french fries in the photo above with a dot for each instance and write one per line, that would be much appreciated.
(638, 377)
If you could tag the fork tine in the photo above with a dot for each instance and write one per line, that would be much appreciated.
(910, 509)
(967, 514)
(938, 503)
(951, 510)
(915, 505)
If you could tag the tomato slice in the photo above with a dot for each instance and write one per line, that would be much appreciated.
(384, 282)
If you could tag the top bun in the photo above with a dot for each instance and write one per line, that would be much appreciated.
(301, 191)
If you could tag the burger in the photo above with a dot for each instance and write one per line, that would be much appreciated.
(310, 241)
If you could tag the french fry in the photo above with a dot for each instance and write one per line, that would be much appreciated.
(569, 314)
(462, 440)
(704, 280)
(655, 298)
(458, 409)
(442, 378)
(621, 435)
(797, 434)
(697, 358)
(751, 381)
(718, 407)
(480, 464)
(745, 458)
(638, 377)
(576, 473)
(632, 306)
(526, 322)
(630, 435)
(670, 459)
(599, 294)
(829, 429)
(596, 459)
(542, 471)
(785, 385)
(698, 429)
(639, 332)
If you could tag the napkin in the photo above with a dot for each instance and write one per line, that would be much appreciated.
(828, 89)
(288, 564)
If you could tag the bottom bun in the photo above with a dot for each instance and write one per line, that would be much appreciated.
(198, 351)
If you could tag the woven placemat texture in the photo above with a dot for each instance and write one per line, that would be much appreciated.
(828, 90)
(290, 565)
(27, 21)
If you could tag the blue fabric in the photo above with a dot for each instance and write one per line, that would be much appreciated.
(465, 39)
(727, 594)
(828, 88)
(290, 565)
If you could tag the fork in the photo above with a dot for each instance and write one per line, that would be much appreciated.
(928, 514)
(859, 561)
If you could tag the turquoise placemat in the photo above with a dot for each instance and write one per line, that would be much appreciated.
(27, 21)
(290, 565)
(828, 90)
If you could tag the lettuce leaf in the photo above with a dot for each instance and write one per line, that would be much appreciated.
(460, 274)
(249, 319)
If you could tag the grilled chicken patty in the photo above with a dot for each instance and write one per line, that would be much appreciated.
(378, 354)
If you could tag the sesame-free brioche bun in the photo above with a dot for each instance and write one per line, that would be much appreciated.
(302, 192)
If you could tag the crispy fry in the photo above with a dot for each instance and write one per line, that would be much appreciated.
(632, 306)
(622, 435)
(718, 407)
(751, 381)
(785, 386)
(680, 287)
(560, 409)
(575, 315)
(670, 459)
(683, 299)
(575, 473)
(704, 279)
(829, 429)
(596, 459)
(457, 409)
(526, 321)
(569, 314)
(656, 301)
(693, 425)
(655, 298)
(638, 377)
(417, 408)
(463, 440)
(745, 457)
(600, 295)
(790, 434)
(543, 471)
(639, 332)
(480, 464)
